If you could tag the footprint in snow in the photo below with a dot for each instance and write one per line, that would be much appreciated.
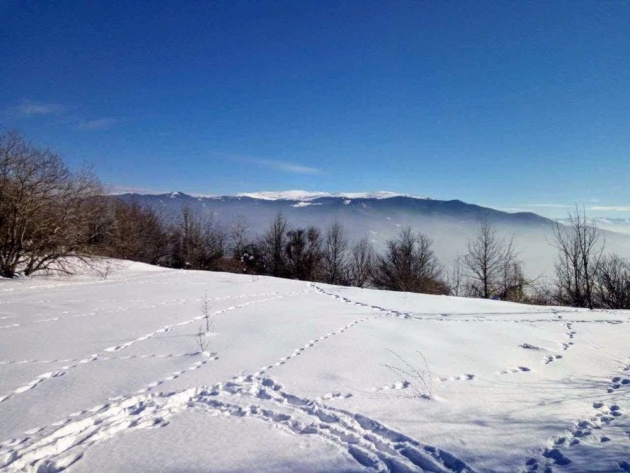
(529, 346)
(336, 395)
(519, 369)
(618, 382)
(393, 386)
(550, 358)
(583, 431)
(461, 377)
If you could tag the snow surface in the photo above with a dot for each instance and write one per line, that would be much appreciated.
(103, 374)
(303, 204)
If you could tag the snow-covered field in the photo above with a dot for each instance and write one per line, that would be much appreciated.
(101, 375)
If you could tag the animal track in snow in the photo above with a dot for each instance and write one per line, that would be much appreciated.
(618, 382)
(591, 431)
(49, 375)
(385, 312)
(33, 384)
(583, 431)
(98, 358)
(570, 334)
(529, 346)
(10, 326)
(149, 387)
(167, 328)
(177, 374)
(518, 369)
(336, 395)
(370, 443)
(393, 386)
(461, 377)
(551, 358)
(310, 344)
(73, 363)
(125, 308)
(140, 279)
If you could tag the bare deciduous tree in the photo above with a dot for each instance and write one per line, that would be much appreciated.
(303, 253)
(197, 241)
(46, 210)
(272, 247)
(409, 264)
(613, 282)
(492, 267)
(580, 245)
(455, 278)
(239, 231)
(361, 263)
(335, 255)
(136, 232)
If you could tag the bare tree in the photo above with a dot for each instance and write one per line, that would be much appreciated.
(455, 278)
(613, 282)
(136, 232)
(239, 231)
(303, 253)
(335, 255)
(580, 245)
(492, 267)
(361, 263)
(409, 264)
(45, 209)
(197, 241)
(272, 247)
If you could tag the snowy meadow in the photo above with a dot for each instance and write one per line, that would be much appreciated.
(142, 368)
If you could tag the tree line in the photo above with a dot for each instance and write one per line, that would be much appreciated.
(49, 213)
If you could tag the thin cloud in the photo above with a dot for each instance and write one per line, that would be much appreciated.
(32, 109)
(609, 208)
(283, 166)
(97, 124)
(508, 209)
(117, 190)
(551, 206)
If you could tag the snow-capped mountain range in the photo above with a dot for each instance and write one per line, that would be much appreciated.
(306, 195)
(380, 216)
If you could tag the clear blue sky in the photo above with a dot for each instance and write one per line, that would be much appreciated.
(522, 105)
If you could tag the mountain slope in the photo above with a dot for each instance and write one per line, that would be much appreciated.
(380, 216)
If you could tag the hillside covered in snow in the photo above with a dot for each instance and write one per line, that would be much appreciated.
(102, 374)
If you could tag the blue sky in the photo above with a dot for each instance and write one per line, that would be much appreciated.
(516, 105)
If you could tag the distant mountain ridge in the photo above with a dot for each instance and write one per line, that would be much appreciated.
(307, 195)
(378, 201)
(380, 216)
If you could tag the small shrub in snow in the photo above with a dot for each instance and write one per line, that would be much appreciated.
(201, 339)
(418, 379)
(205, 310)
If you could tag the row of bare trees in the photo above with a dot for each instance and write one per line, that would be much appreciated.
(49, 213)
(489, 268)
(585, 275)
